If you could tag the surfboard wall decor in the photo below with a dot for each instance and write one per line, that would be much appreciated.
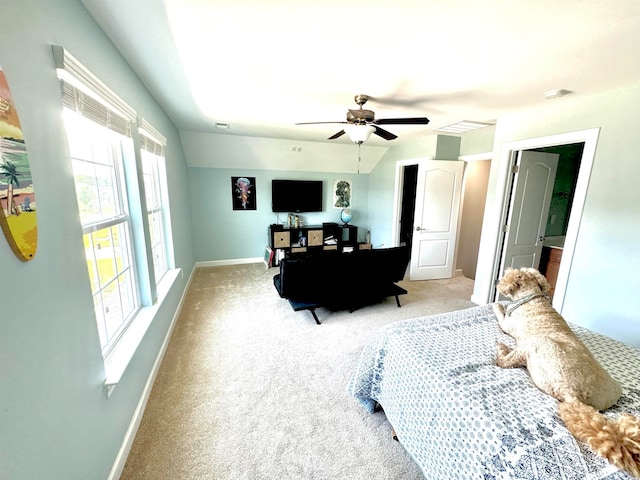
(18, 217)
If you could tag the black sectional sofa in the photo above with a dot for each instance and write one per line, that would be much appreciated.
(340, 281)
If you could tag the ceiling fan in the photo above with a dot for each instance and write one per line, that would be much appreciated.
(361, 123)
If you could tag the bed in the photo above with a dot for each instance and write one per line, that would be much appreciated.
(460, 416)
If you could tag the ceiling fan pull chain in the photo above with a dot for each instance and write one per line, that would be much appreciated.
(359, 158)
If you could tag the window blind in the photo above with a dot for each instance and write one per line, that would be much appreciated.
(84, 94)
(150, 139)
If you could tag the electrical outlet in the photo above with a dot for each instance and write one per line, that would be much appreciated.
(553, 219)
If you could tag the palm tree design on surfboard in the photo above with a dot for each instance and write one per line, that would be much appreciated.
(18, 217)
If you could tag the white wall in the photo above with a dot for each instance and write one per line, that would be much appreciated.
(602, 291)
(56, 422)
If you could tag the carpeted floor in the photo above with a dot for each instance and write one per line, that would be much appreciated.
(249, 389)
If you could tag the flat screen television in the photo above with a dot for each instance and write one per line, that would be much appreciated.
(294, 196)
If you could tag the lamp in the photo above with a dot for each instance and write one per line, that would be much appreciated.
(359, 133)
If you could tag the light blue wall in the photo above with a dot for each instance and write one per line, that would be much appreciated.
(56, 422)
(221, 233)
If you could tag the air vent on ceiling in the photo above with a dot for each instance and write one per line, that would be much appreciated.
(463, 126)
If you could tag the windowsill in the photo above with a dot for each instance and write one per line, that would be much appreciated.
(118, 359)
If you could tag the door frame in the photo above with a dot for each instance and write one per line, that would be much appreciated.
(508, 159)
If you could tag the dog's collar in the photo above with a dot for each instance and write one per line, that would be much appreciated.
(510, 308)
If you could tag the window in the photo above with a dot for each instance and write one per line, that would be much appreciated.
(98, 155)
(124, 217)
(153, 172)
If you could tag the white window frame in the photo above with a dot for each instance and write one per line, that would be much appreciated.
(114, 287)
(152, 150)
(86, 95)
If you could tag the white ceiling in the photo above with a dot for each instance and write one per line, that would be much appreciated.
(263, 65)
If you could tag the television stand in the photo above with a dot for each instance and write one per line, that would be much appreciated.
(311, 238)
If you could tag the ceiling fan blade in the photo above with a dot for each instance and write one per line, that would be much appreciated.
(316, 123)
(336, 135)
(384, 134)
(402, 121)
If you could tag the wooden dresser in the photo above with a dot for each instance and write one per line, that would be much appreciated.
(549, 266)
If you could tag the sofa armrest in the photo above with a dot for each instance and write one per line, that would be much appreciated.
(389, 264)
(277, 284)
(307, 278)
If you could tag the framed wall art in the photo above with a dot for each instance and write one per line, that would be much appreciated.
(18, 218)
(342, 194)
(243, 191)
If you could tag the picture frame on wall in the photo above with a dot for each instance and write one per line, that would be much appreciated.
(243, 193)
(342, 191)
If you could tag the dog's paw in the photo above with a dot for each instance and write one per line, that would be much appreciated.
(501, 355)
(503, 349)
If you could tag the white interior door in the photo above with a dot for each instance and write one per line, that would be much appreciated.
(530, 200)
(435, 225)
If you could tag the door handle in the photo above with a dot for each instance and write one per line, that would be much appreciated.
(419, 229)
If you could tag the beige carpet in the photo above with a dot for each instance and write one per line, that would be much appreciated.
(249, 389)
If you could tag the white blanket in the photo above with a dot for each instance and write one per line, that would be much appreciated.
(462, 417)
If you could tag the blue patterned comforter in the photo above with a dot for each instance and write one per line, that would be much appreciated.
(461, 417)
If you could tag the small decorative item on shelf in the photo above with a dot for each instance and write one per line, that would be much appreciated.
(294, 220)
(345, 216)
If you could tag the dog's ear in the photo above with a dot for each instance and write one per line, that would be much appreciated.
(510, 283)
(541, 279)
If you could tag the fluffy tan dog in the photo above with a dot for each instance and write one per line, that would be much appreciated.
(562, 366)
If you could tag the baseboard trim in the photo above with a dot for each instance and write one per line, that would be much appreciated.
(130, 435)
(233, 261)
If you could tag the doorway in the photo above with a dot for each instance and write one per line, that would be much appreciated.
(555, 231)
(408, 204)
(541, 196)
(585, 141)
(475, 183)
(564, 187)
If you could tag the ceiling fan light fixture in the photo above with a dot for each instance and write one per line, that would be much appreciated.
(359, 133)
